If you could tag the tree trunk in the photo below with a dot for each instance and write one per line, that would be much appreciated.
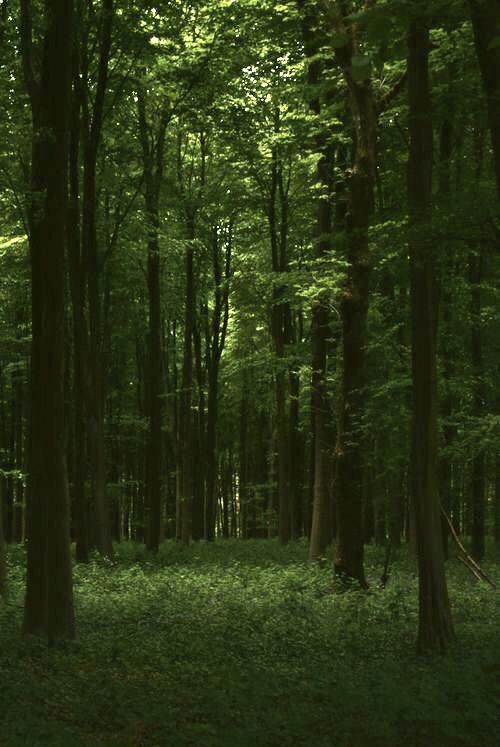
(95, 392)
(48, 607)
(485, 16)
(77, 277)
(350, 468)
(3, 566)
(435, 626)
(186, 420)
(478, 396)
(153, 163)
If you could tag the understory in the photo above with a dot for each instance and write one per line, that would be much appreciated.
(244, 643)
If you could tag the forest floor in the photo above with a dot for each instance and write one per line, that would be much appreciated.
(245, 644)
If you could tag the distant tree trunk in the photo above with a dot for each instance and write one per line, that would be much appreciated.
(199, 431)
(478, 397)
(485, 16)
(48, 607)
(17, 415)
(3, 566)
(220, 319)
(153, 164)
(186, 419)
(93, 121)
(435, 626)
(320, 323)
(296, 461)
(496, 502)
(77, 277)
(243, 459)
(446, 137)
(280, 315)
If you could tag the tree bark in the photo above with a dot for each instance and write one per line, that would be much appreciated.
(153, 164)
(478, 397)
(435, 630)
(349, 561)
(485, 15)
(48, 607)
(186, 419)
(220, 319)
(3, 565)
(93, 122)
(77, 278)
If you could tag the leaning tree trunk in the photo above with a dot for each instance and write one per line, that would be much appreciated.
(435, 625)
(48, 607)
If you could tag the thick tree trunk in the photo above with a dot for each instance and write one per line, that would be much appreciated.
(350, 467)
(435, 626)
(49, 594)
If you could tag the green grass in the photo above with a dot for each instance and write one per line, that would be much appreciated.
(245, 644)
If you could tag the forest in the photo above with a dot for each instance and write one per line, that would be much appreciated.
(249, 363)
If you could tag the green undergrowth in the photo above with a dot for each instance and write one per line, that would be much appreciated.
(244, 643)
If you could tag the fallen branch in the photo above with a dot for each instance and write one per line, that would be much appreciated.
(466, 559)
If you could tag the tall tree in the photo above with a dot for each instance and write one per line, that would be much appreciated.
(221, 268)
(485, 16)
(435, 630)
(153, 149)
(320, 322)
(3, 565)
(49, 592)
(92, 121)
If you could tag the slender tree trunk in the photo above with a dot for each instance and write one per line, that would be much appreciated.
(186, 420)
(18, 495)
(485, 16)
(496, 503)
(445, 293)
(3, 566)
(93, 122)
(153, 163)
(435, 626)
(478, 396)
(48, 607)
(77, 276)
